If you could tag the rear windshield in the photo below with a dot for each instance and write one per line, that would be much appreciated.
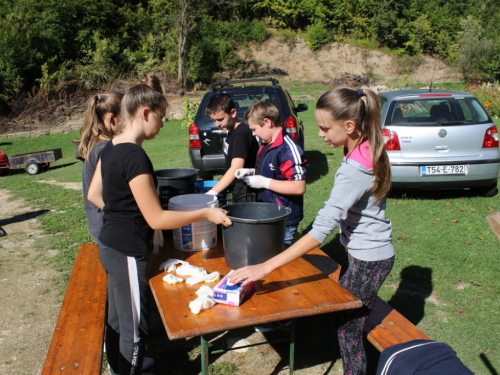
(436, 112)
(243, 100)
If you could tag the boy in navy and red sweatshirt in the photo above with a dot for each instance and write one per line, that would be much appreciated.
(280, 169)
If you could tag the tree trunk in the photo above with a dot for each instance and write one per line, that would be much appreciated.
(183, 32)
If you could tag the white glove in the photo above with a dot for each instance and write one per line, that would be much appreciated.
(257, 182)
(242, 172)
(211, 192)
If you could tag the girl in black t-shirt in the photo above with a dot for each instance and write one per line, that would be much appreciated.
(124, 188)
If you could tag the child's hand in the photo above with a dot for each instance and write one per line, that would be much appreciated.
(248, 274)
(257, 182)
(218, 216)
(211, 192)
(242, 172)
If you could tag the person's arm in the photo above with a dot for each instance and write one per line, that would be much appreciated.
(288, 187)
(94, 194)
(145, 195)
(259, 271)
(345, 193)
(228, 177)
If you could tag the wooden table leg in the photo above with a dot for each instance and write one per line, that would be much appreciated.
(204, 355)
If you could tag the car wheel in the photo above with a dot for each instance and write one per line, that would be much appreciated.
(487, 191)
(32, 168)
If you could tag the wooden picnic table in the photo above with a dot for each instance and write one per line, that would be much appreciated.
(295, 290)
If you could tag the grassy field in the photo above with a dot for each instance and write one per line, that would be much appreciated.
(445, 275)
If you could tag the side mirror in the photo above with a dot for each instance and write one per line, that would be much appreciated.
(301, 107)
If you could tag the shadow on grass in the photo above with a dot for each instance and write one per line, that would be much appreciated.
(22, 217)
(415, 286)
(488, 364)
(437, 194)
(21, 170)
(317, 165)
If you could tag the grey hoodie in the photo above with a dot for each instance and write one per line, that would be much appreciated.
(366, 232)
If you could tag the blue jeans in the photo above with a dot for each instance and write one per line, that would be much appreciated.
(290, 234)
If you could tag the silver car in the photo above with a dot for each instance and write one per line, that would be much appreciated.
(440, 139)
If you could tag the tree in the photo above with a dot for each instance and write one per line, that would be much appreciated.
(473, 51)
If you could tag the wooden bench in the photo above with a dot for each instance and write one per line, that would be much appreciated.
(385, 326)
(76, 346)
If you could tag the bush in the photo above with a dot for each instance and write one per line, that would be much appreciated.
(316, 36)
(287, 36)
(100, 64)
(407, 64)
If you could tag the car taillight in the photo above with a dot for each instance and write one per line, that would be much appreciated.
(491, 138)
(291, 127)
(194, 136)
(391, 140)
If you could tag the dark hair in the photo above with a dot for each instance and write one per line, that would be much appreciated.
(94, 129)
(138, 96)
(152, 80)
(220, 102)
(362, 106)
(260, 110)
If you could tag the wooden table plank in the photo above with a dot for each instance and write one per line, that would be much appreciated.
(296, 290)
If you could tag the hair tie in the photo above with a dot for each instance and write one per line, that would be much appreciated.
(99, 97)
(360, 93)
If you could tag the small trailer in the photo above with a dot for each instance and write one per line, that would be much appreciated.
(33, 162)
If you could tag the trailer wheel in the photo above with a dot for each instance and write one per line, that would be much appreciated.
(32, 168)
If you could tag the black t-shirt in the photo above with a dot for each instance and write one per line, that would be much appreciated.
(260, 158)
(240, 143)
(124, 227)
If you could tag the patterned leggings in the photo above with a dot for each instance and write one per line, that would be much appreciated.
(363, 279)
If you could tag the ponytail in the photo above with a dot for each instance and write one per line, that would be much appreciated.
(94, 129)
(363, 107)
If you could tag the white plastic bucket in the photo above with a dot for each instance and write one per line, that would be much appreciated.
(201, 235)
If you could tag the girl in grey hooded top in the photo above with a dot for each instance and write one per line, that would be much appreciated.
(349, 119)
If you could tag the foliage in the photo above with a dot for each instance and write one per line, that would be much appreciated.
(407, 63)
(46, 44)
(489, 95)
(286, 36)
(316, 36)
(189, 109)
(473, 51)
(100, 62)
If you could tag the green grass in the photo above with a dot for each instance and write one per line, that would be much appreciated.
(445, 278)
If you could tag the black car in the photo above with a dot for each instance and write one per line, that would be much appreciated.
(206, 140)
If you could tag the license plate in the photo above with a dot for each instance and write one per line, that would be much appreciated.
(428, 170)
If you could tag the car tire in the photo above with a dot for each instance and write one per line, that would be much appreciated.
(487, 191)
(32, 168)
